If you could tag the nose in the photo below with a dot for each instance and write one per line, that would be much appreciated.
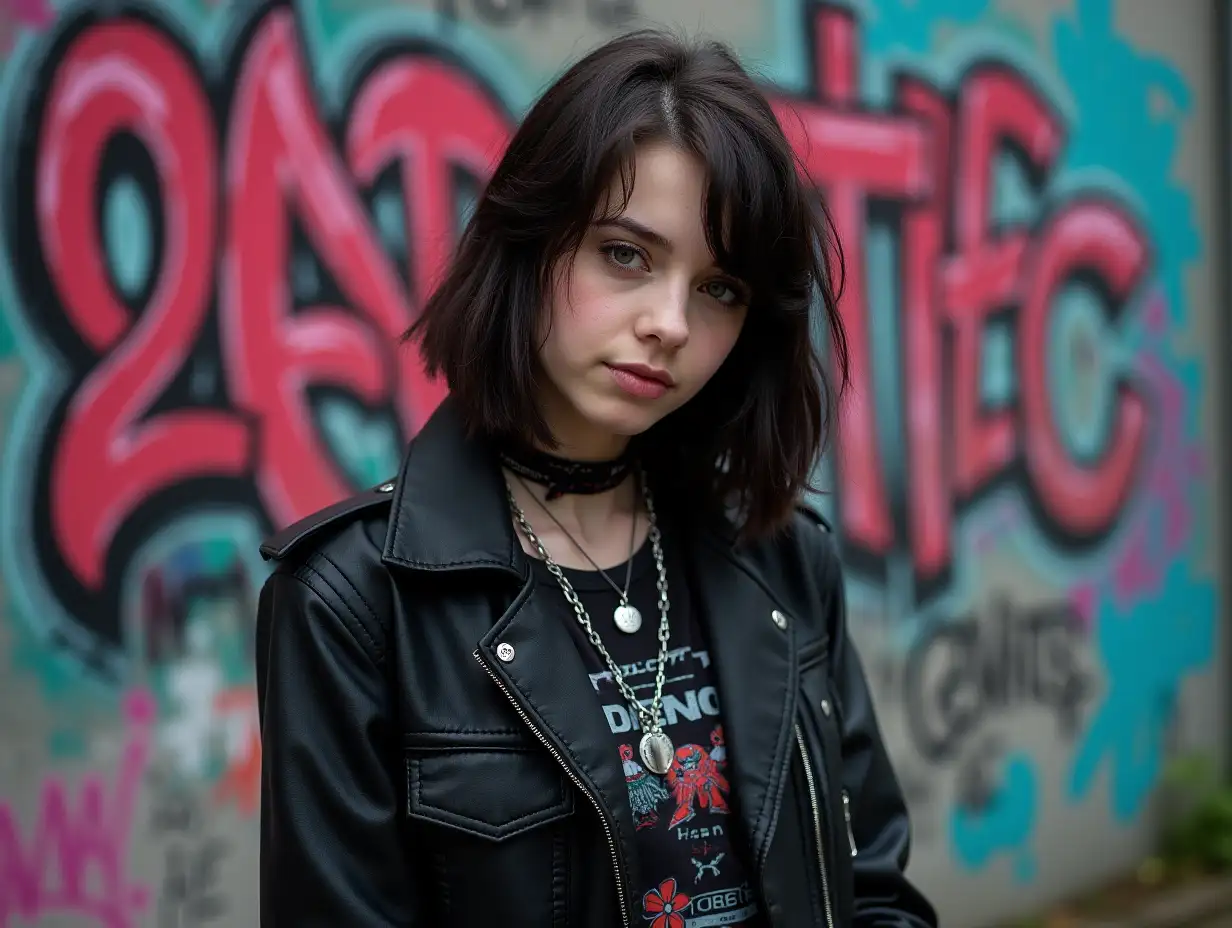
(665, 317)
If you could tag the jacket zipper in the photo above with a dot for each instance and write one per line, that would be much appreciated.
(607, 829)
(851, 837)
(821, 853)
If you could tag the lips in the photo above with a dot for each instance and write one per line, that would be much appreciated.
(641, 381)
(647, 372)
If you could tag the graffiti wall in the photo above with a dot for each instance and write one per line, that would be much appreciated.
(216, 217)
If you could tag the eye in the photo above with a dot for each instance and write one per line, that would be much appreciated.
(625, 256)
(724, 292)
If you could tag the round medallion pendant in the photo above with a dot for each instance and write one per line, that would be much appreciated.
(657, 752)
(627, 618)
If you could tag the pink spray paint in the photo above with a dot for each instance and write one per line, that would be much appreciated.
(1162, 534)
(34, 13)
(76, 859)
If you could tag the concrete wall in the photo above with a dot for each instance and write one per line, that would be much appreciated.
(216, 216)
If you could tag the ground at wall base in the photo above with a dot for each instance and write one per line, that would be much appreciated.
(1135, 901)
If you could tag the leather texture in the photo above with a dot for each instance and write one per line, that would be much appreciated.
(411, 777)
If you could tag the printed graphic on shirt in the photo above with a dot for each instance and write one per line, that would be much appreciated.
(666, 906)
(689, 806)
(685, 831)
(721, 907)
(695, 778)
(646, 792)
(690, 705)
(711, 866)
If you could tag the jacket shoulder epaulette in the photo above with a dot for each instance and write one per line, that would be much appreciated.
(283, 543)
(815, 517)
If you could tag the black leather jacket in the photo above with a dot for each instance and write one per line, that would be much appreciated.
(412, 778)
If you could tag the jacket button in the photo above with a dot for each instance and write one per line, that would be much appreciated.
(779, 619)
(504, 651)
(825, 706)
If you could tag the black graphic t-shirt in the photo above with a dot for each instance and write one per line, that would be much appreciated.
(686, 830)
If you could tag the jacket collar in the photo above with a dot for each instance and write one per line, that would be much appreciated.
(449, 507)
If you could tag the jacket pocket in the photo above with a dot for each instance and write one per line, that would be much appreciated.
(491, 821)
(489, 793)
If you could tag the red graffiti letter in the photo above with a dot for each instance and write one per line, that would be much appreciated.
(126, 77)
(280, 164)
(852, 155)
(434, 120)
(997, 106)
(930, 509)
(1082, 498)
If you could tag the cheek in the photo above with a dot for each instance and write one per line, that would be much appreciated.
(717, 341)
(578, 313)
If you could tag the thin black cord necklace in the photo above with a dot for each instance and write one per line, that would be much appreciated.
(628, 617)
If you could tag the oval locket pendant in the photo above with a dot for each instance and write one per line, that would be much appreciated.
(627, 618)
(657, 752)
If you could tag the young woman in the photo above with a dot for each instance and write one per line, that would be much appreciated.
(584, 662)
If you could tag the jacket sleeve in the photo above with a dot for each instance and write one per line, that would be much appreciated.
(883, 895)
(332, 850)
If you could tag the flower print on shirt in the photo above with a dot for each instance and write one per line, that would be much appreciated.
(664, 904)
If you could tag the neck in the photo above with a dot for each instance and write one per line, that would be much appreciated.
(600, 522)
(604, 447)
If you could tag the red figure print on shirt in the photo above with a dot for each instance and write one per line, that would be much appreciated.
(695, 777)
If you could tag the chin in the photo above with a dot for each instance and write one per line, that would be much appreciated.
(623, 417)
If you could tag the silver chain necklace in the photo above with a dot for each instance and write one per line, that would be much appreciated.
(656, 748)
(628, 618)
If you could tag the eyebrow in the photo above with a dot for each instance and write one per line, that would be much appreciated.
(641, 231)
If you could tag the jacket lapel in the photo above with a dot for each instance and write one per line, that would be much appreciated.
(548, 680)
(755, 662)
(450, 515)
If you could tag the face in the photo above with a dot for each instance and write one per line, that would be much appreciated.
(642, 317)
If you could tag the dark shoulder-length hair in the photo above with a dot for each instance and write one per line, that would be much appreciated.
(749, 440)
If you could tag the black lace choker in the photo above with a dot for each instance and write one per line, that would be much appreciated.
(561, 475)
